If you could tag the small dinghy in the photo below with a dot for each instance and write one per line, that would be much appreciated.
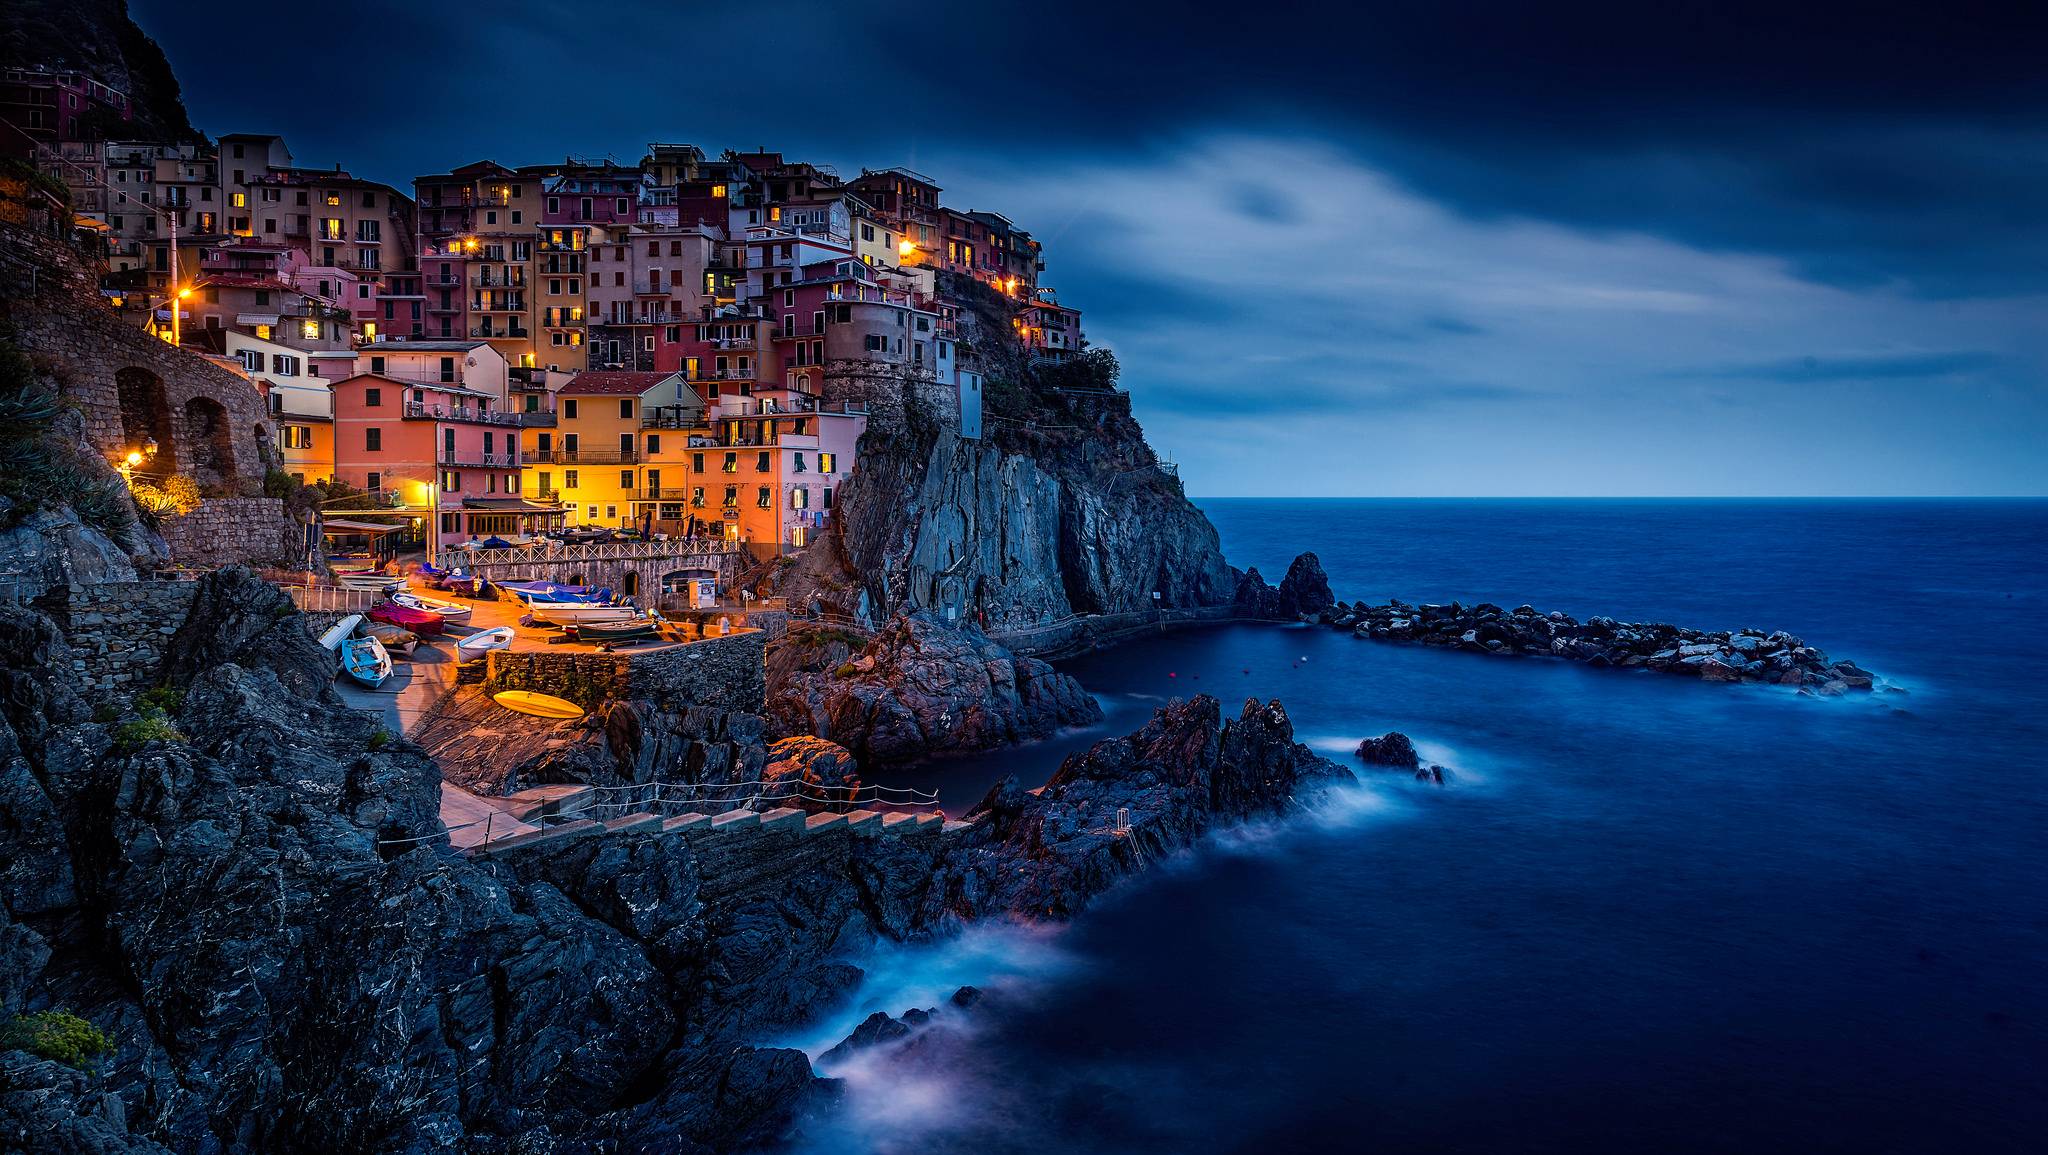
(339, 630)
(364, 660)
(580, 613)
(368, 580)
(425, 623)
(482, 642)
(536, 704)
(644, 629)
(532, 592)
(395, 639)
(454, 612)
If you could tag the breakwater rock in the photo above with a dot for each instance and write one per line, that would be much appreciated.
(1748, 655)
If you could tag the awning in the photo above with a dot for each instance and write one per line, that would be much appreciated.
(508, 505)
(343, 525)
(256, 319)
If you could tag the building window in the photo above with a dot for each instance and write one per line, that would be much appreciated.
(569, 409)
(763, 462)
(626, 409)
(447, 369)
(828, 497)
(765, 498)
(373, 481)
(732, 496)
(799, 498)
(732, 463)
(798, 466)
(568, 479)
(373, 398)
(373, 441)
(824, 463)
(625, 479)
(697, 497)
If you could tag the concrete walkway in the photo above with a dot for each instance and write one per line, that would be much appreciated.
(415, 684)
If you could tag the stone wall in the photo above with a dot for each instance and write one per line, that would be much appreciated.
(208, 423)
(718, 674)
(118, 630)
(227, 530)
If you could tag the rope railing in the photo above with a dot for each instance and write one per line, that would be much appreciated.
(656, 797)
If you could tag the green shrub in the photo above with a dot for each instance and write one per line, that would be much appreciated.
(166, 699)
(846, 670)
(59, 1036)
(152, 726)
(380, 738)
(105, 712)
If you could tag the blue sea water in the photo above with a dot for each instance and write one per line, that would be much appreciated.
(1648, 914)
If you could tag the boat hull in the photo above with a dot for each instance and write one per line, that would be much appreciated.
(483, 642)
(580, 613)
(425, 623)
(454, 612)
(365, 660)
(538, 705)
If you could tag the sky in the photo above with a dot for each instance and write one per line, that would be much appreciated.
(1443, 249)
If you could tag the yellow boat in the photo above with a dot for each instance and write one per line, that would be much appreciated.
(538, 705)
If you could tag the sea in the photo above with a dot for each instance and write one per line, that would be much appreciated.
(1646, 914)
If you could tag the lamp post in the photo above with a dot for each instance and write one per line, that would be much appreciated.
(433, 517)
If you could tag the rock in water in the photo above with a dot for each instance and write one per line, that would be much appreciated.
(1390, 750)
(1305, 591)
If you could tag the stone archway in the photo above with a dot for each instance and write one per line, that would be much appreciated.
(146, 417)
(210, 444)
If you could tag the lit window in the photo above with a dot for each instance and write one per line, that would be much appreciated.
(309, 328)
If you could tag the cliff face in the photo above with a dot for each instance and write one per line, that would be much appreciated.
(98, 37)
(1060, 509)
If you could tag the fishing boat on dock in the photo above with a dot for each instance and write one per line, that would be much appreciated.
(482, 642)
(425, 623)
(395, 639)
(581, 613)
(453, 613)
(365, 660)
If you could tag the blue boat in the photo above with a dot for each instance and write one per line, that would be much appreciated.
(547, 591)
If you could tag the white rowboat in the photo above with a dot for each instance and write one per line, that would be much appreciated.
(579, 613)
(454, 612)
(483, 641)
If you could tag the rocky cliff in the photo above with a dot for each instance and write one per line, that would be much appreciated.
(99, 38)
(1059, 509)
(242, 883)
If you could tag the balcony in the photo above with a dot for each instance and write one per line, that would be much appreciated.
(450, 307)
(504, 334)
(585, 457)
(538, 419)
(477, 459)
(421, 411)
(663, 494)
(494, 281)
(497, 305)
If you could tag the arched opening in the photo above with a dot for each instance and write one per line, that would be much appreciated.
(209, 445)
(146, 417)
(630, 586)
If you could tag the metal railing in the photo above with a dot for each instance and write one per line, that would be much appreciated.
(330, 599)
(422, 410)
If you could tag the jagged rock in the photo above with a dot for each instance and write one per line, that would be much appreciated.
(1392, 749)
(1306, 588)
(966, 997)
(926, 688)
(811, 761)
(1255, 599)
(1182, 774)
(874, 1031)
(51, 546)
(1432, 774)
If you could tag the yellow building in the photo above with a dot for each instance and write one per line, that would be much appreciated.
(619, 450)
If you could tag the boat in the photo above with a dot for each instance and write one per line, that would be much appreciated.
(339, 630)
(454, 612)
(538, 591)
(483, 641)
(368, 580)
(395, 639)
(577, 613)
(644, 629)
(425, 623)
(537, 704)
(364, 660)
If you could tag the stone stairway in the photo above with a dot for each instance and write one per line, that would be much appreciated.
(707, 832)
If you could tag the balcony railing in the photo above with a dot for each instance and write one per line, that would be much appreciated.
(423, 411)
(585, 457)
(494, 281)
(541, 418)
(508, 334)
(477, 458)
(489, 305)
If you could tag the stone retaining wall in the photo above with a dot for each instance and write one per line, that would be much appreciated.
(228, 530)
(723, 674)
(118, 630)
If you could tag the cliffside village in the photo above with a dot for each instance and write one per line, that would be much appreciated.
(683, 346)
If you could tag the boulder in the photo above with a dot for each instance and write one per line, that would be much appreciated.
(1392, 749)
(1305, 591)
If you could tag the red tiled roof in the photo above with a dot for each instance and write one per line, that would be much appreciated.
(615, 382)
